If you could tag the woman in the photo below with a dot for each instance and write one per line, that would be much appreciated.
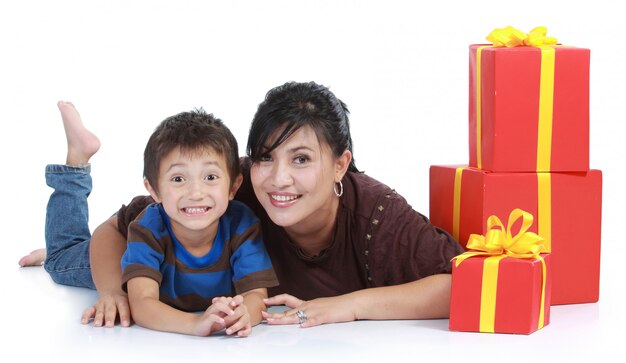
(344, 246)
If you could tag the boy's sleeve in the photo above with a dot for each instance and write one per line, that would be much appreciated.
(251, 264)
(143, 257)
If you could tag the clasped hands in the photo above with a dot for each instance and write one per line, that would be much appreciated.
(319, 311)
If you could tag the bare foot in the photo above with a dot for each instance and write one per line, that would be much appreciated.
(81, 143)
(35, 258)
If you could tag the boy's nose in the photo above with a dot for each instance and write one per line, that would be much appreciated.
(196, 190)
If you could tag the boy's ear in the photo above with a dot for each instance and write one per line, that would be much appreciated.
(235, 187)
(150, 189)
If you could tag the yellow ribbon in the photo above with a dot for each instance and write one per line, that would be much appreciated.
(511, 37)
(544, 210)
(499, 243)
(479, 105)
(456, 208)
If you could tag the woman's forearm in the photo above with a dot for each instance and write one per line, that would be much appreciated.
(427, 298)
(105, 254)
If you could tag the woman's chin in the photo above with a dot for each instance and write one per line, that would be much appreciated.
(283, 219)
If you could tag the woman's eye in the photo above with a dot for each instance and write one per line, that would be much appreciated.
(300, 159)
(265, 158)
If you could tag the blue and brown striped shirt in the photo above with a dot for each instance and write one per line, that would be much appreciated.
(236, 263)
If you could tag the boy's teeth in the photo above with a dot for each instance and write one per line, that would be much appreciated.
(195, 210)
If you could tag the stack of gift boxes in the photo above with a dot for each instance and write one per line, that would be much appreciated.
(529, 149)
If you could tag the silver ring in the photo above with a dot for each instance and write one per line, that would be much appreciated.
(302, 318)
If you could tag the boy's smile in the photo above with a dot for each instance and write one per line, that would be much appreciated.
(195, 211)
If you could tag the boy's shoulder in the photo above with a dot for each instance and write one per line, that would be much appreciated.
(239, 218)
(238, 212)
(150, 214)
(128, 213)
(154, 218)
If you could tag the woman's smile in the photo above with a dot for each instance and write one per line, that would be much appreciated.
(283, 200)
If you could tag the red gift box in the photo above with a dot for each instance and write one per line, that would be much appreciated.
(567, 209)
(529, 110)
(517, 304)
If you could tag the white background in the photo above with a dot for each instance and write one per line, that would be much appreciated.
(401, 67)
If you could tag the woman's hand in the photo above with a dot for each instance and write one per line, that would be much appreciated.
(314, 312)
(106, 310)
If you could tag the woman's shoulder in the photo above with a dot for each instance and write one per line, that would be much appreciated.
(362, 180)
(376, 201)
(365, 191)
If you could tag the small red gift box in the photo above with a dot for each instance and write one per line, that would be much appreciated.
(529, 108)
(567, 209)
(512, 305)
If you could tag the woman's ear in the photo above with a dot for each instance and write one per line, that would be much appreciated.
(150, 189)
(341, 165)
(235, 187)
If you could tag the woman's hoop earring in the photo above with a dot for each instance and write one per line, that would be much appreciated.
(340, 192)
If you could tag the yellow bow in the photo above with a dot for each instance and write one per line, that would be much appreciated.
(511, 37)
(499, 241)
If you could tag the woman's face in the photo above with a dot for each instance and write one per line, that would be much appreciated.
(294, 183)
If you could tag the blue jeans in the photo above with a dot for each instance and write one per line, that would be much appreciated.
(67, 228)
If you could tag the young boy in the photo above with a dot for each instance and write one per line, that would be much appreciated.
(186, 251)
(195, 242)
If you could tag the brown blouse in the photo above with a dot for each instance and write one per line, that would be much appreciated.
(379, 241)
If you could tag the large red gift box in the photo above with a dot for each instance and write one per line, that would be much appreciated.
(567, 209)
(520, 305)
(529, 108)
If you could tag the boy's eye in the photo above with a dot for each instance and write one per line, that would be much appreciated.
(177, 179)
(210, 177)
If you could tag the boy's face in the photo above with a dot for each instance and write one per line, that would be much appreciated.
(194, 188)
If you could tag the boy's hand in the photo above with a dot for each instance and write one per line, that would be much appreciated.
(213, 319)
(239, 322)
(105, 311)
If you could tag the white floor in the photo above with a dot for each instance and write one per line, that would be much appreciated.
(41, 323)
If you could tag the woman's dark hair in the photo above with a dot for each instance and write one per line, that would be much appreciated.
(193, 131)
(294, 105)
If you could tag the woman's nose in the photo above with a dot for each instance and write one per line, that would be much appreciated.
(281, 175)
